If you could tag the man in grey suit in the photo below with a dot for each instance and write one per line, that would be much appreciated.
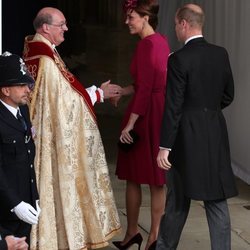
(194, 147)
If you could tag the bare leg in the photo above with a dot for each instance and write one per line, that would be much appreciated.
(158, 198)
(133, 203)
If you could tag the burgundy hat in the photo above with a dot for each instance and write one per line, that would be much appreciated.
(13, 71)
(129, 5)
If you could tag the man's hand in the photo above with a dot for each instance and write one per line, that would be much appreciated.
(162, 159)
(110, 90)
(25, 212)
(14, 243)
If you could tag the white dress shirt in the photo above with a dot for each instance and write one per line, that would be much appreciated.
(11, 109)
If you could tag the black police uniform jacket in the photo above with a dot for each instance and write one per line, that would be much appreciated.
(3, 233)
(17, 152)
(199, 86)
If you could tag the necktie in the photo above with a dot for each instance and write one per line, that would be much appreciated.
(21, 120)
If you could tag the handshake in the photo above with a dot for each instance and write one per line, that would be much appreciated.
(25, 212)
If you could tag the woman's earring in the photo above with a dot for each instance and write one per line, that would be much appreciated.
(144, 24)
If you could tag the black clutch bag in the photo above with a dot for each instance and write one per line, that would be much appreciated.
(127, 146)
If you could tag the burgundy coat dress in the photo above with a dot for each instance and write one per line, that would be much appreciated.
(148, 69)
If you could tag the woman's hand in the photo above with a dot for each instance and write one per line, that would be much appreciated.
(125, 136)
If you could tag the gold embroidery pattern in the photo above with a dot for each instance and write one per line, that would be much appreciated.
(33, 70)
(25, 50)
(61, 65)
(76, 198)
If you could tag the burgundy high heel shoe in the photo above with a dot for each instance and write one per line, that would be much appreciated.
(153, 245)
(137, 239)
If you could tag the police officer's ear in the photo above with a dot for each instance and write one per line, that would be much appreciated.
(5, 91)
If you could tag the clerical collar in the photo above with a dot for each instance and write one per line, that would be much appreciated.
(39, 37)
(192, 37)
(10, 108)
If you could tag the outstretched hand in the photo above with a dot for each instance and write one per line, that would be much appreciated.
(111, 90)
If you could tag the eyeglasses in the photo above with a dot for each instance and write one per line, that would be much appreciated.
(58, 25)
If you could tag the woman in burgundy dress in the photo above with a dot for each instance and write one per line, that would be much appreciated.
(144, 114)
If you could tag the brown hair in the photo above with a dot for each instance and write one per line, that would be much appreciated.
(144, 8)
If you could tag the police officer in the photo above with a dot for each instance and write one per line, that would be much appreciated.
(19, 207)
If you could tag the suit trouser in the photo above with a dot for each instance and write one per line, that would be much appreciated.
(176, 212)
